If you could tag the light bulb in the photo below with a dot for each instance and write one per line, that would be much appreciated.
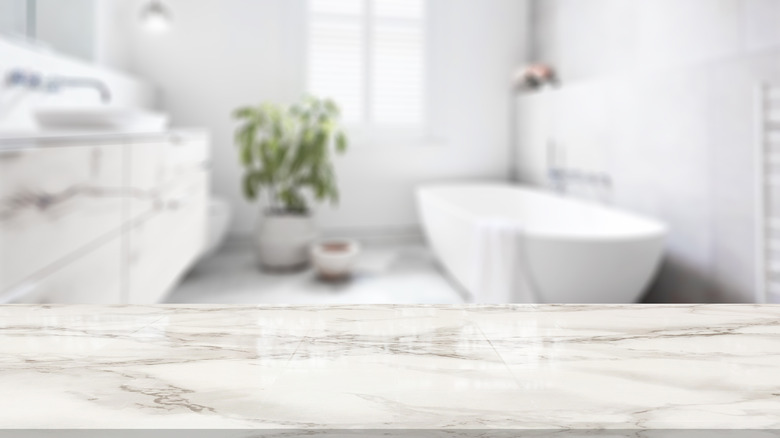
(156, 17)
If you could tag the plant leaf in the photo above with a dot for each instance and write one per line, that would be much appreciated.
(244, 113)
(250, 188)
(341, 142)
(288, 149)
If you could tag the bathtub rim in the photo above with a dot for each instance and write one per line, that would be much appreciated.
(656, 228)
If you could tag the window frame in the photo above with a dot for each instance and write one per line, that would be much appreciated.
(368, 130)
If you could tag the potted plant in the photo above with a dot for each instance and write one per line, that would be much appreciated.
(286, 153)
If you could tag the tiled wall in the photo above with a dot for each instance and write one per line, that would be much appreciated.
(659, 93)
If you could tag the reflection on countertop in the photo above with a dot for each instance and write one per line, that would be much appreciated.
(541, 367)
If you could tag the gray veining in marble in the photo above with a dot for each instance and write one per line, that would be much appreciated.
(542, 367)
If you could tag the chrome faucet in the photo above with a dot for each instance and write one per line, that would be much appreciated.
(56, 83)
(33, 81)
(555, 173)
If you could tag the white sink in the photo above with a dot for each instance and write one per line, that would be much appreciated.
(100, 118)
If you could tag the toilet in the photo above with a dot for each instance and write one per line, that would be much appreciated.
(220, 215)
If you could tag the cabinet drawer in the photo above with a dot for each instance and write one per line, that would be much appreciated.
(161, 167)
(55, 201)
(147, 173)
(185, 153)
(93, 277)
(162, 247)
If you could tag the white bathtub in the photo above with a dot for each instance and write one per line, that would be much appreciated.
(577, 252)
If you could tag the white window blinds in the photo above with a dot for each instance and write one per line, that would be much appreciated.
(369, 56)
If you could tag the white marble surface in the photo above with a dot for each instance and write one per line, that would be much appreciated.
(391, 367)
(92, 221)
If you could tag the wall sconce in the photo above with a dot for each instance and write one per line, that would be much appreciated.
(156, 17)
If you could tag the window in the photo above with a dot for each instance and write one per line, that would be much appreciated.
(369, 56)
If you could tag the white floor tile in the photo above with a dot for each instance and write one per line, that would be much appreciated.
(386, 274)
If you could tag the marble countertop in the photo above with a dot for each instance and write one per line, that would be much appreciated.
(542, 367)
(10, 141)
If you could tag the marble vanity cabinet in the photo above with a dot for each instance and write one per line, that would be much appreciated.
(168, 214)
(105, 219)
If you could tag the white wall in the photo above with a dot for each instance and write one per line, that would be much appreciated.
(112, 29)
(659, 93)
(224, 54)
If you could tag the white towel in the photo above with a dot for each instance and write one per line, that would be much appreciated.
(499, 266)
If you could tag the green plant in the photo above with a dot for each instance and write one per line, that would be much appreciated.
(286, 151)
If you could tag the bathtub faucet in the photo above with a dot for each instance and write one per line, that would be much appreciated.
(557, 179)
(560, 176)
(556, 174)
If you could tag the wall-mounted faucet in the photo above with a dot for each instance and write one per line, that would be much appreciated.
(34, 81)
(561, 176)
(56, 83)
(555, 172)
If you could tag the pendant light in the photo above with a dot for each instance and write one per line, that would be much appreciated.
(156, 17)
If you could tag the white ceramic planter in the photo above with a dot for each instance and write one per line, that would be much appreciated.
(335, 259)
(283, 241)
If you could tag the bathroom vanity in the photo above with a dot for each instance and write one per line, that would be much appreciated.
(562, 371)
(107, 218)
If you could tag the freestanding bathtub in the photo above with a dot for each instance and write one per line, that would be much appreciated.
(576, 251)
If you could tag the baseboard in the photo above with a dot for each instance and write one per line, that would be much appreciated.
(377, 235)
